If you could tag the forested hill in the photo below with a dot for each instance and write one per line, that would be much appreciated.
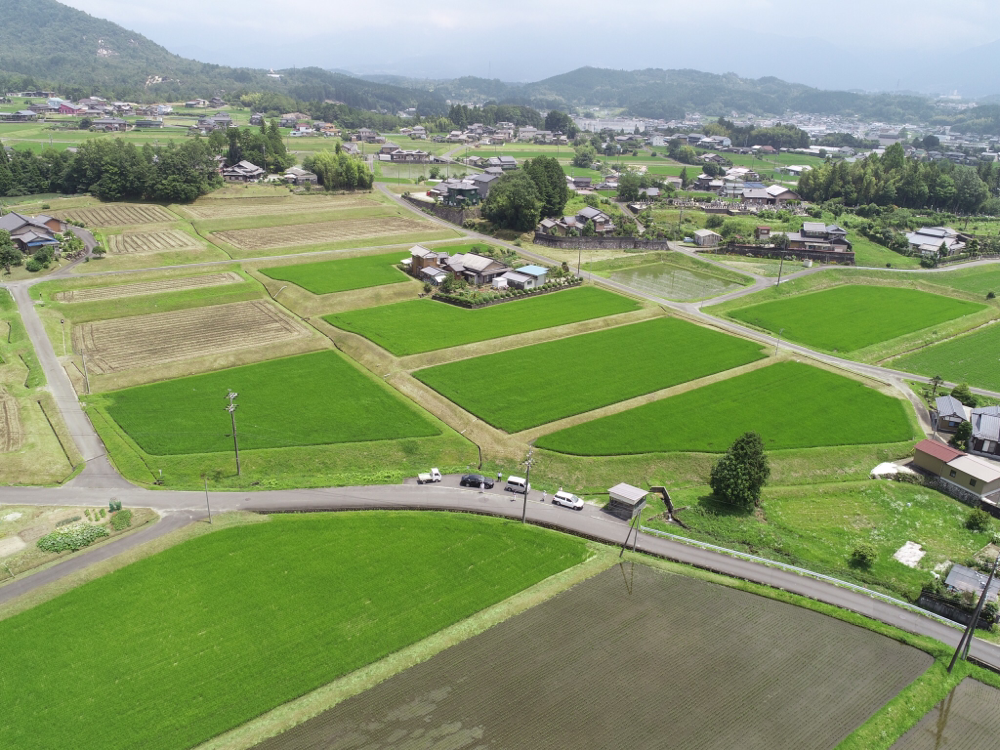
(669, 94)
(45, 43)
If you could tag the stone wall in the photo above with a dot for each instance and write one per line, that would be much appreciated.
(759, 251)
(947, 609)
(600, 243)
(449, 213)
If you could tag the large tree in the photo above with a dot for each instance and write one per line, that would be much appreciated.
(561, 122)
(740, 475)
(550, 180)
(513, 202)
(9, 254)
(628, 186)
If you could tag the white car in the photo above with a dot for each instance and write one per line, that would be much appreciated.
(433, 476)
(567, 500)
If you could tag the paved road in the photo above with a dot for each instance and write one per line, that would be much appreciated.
(180, 508)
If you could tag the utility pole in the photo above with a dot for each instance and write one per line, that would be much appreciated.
(208, 504)
(777, 338)
(966, 642)
(86, 376)
(527, 486)
(781, 265)
(231, 408)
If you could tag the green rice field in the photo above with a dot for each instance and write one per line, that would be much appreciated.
(425, 325)
(177, 648)
(850, 317)
(791, 405)
(330, 276)
(973, 358)
(544, 382)
(312, 399)
(979, 280)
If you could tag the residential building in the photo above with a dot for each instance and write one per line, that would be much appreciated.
(243, 172)
(963, 580)
(985, 438)
(30, 233)
(779, 194)
(928, 240)
(950, 413)
(968, 473)
(411, 156)
(818, 237)
(574, 224)
(149, 122)
(538, 274)
(299, 176)
(476, 269)
(110, 124)
(506, 163)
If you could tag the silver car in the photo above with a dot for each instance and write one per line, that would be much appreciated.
(567, 500)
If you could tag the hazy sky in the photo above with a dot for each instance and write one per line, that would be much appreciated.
(844, 44)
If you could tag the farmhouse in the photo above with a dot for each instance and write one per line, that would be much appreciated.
(299, 176)
(243, 172)
(950, 413)
(421, 258)
(626, 501)
(575, 224)
(24, 115)
(962, 580)
(985, 431)
(412, 156)
(505, 163)
(32, 232)
(958, 470)
(476, 269)
(928, 240)
(818, 237)
(456, 192)
(706, 238)
(779, 194)
(110, 124)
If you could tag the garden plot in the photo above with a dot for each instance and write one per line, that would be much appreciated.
(159, 286)
(10, 423)
(146, 340)
(320, 233)
(246, 207)
(673, 282)
(118, 215)
(968, 719)
(128, 243)
(632, 658)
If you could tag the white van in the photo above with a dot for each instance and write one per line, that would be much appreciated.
(517, 484)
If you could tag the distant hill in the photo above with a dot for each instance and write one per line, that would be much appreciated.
(670, 93)
(46, 42)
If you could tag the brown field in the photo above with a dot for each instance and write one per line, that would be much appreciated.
(224, 208)
(316, 234)
(968, 719)
(159, 286)
(118, 215)
(632, 658)
(146, 340)
(10, 423)
(128, 243)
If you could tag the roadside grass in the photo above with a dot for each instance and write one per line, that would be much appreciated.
(330, 276)
(818, 526)
(533, 385)
(426, 325)
(979, 280)
(289, 606)
(791, 405)
(873, 255)
(851, 317)
(311, 399)
(973, 358)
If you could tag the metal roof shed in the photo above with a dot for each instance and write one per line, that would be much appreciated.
(626, 501)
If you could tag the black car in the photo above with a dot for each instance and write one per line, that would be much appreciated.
(477, 480)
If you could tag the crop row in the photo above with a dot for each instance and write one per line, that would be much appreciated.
(151, 242)
(119, 215)
(315, 234)
(229, 209)
(96, 294)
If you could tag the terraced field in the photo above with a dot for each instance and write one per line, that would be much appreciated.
(147, 340)
(224, 208)
(973, 358)
(159, 286)
(319, 233)
(118, 215)
(632, 658)
(128, 243)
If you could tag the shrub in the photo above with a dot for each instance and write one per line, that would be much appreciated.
(978, 520)
(114, 504)
(121, 520)
(72, 538)
(714, 221)
(46, 206)
(991, 295)
(33, 266)
(103, 513)
(864, 554)
(67, 521)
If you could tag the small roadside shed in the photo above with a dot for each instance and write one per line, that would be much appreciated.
(626, 501)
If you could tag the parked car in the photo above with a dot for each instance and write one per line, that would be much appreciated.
(517, 484)
(476, 480)
(426, 478)
(567, 500)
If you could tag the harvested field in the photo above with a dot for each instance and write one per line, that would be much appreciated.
(632, 658)
(160, 286)
(118, 215)
(146, 340)
(319, 233)
(10, 423)
(968, 719)
(128, 243)
(234, 209)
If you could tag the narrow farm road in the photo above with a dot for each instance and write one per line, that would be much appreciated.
(591, 522)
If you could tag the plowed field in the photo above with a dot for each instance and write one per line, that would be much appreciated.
(968, 719)
(118, 215)
(151, 242)
(10, 423)
(632, 658)
(159, 286)
(316, 234)
(234, 209)
(146, 340)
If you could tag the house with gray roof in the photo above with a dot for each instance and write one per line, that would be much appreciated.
(950, 413)
(474, 268)
(928, 240)
(985, 438)
(30, 233)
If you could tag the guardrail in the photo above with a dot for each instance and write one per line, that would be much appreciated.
(802, 572)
